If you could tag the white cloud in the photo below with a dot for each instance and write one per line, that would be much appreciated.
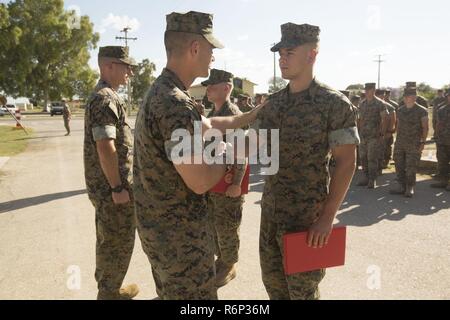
(118, 23)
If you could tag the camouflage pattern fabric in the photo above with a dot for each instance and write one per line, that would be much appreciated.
(193, 22)
(443, 143)
(225, 212)
(409, 134)
(386, 145)
(117, 52)
(116, 230)
(443, 119)
(105, 118)
(370, 118)
(293, 35)
(369, 151)
(173, 221)
(218, 76)
(437, 103)
(300, 286)
(443, 157)
(370, 129)
(311, 123)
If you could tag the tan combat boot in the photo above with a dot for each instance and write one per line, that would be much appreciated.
(409, 191)
(224, 274)
(398, 189)
(125, 293)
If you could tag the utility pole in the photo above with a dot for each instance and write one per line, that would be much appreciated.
(379, 61)
(126, 38)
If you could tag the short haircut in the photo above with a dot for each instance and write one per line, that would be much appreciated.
(178, 42)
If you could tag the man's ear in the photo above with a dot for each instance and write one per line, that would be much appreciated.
(312, 56)
(195, 47)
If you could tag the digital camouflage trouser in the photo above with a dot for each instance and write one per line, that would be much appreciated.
(443, 157)
(181, 254)
(67, 125)
(300, 286)
(369, 151)
(226, 216)
(406, 163)
(116, 230)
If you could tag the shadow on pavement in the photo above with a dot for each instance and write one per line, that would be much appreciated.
(34, 201)
(363, 207)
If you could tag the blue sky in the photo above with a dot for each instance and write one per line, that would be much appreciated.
(412, 34)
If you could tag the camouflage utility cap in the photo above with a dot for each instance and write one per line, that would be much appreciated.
(293, 35)
(411, 84)
(117, 52)
(410, 91)
(218, 76)
(193, 22)
(370, 86)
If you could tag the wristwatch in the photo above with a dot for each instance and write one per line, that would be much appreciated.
(117, 189)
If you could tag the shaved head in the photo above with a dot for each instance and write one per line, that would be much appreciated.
(177, 43)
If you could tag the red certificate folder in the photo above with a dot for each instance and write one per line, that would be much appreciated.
(298, 257)
(227, 180)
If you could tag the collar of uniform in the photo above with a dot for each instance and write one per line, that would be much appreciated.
(173, 77)
(310, 92)
(224, 105)
(103, 84)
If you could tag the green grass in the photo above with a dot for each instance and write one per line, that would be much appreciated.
(13, 140)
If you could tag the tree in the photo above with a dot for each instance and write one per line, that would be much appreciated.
(427, 91)
(142, 80)
(49, 58)
(279, 84)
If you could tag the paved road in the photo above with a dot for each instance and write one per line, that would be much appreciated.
(397, 248)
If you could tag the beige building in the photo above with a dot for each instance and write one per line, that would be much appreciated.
(198, 91)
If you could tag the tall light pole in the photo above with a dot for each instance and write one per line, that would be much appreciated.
(126, 38)
(379, 61)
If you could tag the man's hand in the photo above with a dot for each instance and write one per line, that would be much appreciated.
(233, 191)
(320, 232)
(121, 198)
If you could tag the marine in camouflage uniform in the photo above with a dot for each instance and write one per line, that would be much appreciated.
(66, 117)
(372, 114)
(243, 103)
(105, 119)
(387, 98)
(388, 141)
(409, 144)
(443, 145)
(173, 222)
(438, 102)
(226, 212)
(420, 99)
(311, 123)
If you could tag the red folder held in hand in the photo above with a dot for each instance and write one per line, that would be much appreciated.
(227, 180)
(298, 257)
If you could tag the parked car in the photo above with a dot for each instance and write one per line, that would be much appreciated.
(56, 108)
(11, 107)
